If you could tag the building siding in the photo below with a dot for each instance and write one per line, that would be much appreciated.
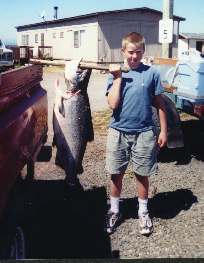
(63, 48)
(185, 45)
(102, 35)
(113, 27)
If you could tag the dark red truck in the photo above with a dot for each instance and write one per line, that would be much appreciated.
(23, 129)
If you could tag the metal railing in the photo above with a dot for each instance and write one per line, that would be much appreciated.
(45, 52)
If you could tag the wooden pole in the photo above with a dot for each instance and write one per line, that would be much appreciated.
(168, 7)
(82, 64)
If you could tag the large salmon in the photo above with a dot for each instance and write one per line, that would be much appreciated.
(72, 123)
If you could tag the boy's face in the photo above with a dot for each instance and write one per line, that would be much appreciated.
(133, 54)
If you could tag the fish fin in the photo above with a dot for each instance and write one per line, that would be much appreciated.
(54, 141)
(73, 186)
(80, 169)
(90, 136)
(58, 162)
(89, 124)
(61, 108)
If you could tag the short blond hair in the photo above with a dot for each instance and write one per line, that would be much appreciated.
(134, 38)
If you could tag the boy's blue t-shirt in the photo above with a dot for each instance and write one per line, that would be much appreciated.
(138, 88)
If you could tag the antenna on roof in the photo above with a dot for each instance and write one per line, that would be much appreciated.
(42, 15)
(55, 12)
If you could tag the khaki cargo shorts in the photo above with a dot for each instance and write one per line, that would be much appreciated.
(139, 149)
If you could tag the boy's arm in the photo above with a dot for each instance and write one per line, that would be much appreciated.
(114, 93)
(159, 104)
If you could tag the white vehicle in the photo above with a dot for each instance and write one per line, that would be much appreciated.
(6, 57)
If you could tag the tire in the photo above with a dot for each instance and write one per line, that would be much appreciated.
(175, 134)
(17, 247)
(156, 122)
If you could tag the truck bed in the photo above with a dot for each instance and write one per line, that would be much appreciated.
(23, 124)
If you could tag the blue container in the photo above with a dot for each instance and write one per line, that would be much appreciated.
(189, 79)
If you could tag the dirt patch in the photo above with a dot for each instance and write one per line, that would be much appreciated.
(53, 69)
(100, 121)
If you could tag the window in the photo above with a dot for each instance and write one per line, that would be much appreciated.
(36, 38)
(61, 34)
(42, 39)
(54, 35)
(25, 40)
(78, 38)
(199, 45)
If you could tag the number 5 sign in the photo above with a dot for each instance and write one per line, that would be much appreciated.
(166, 31)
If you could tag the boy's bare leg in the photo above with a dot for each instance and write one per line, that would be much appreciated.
(116, 185)
(142, 186)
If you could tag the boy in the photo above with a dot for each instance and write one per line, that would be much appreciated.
(131, 135)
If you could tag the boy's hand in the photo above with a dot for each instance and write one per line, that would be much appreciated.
(162, 139)
(115, 70)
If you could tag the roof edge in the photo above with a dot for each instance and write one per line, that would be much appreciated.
(93, 15)
(192, 35)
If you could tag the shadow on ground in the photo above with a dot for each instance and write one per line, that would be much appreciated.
(129, 207)
(60, 223)
(193, 132)
(164, 205)
(167, 205)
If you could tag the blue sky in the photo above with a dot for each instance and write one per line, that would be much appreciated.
(22, 12)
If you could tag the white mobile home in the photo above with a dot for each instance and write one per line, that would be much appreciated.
(190, 41)
(97, 36)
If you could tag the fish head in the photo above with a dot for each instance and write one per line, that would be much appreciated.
(79, 81)
(75, 78)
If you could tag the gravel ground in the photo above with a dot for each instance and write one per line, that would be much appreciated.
(177, 194)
